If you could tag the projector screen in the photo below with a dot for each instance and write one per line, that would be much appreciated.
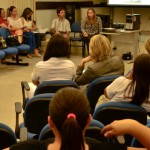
(129, 2)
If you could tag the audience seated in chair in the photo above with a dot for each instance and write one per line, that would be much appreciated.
(14, 31)
(104, 63)
(90, 26)
(29, 27)
(54, 65)
(69, 112)
(135, 88)
(61, 24)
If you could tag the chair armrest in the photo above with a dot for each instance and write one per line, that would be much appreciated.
(23, 134)
(24, 86)
(18, 109)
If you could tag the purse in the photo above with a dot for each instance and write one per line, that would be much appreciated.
(12, 41)
(3, 44)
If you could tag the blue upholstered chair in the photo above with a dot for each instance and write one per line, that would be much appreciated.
(7, 136)
(76, 30)
(2, 54)
(110, 111)
(14, 50)
(47, 87)
(96, 89)
(35, 115)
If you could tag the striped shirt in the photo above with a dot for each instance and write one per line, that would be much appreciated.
(91, 29)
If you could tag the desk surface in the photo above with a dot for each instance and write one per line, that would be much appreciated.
(119, 31)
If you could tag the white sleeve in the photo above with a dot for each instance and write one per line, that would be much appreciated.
(112, 88)
(34, 75)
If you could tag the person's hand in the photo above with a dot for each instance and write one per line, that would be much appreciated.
(84, 60)
(117, 128)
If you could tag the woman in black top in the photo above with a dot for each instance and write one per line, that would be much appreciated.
(69, 117)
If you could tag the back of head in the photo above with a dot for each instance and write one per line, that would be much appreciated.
(100, 47)
(69, 110)
(141, 76)
(56, 47)
(147, 46)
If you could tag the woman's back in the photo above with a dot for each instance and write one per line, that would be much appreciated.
(54, 69)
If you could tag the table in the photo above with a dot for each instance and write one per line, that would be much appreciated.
(129, 39)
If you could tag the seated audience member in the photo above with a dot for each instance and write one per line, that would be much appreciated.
(104, 63)
(69, 116)
(90, 25)
(14, 23)
(61, 24)
(14, 31)
(54, 65)
(129, 126)
(135, 88)
(29, 27)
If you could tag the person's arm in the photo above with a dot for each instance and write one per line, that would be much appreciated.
(112, 89)
(84, 77)
(35, 82)
(99, 24)
(129, 126)
(85, 34)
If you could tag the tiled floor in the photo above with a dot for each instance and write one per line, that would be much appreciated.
(11, 76)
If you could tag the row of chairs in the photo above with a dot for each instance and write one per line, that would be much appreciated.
(35, 117)
(10, 51)
(8, 137)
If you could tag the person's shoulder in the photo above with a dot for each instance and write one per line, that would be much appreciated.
(30, 145)
(97, 145)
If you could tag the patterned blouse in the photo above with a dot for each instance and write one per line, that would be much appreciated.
(91, 29)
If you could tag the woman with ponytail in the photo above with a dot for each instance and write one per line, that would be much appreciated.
(69, 117)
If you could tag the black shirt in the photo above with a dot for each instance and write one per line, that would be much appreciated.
(93, 145)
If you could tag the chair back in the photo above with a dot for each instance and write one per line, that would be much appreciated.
(36, 112)
(93, 131)
(76, 27)
(54, 86)
(7, 136)
(110, 111)
(96, 89)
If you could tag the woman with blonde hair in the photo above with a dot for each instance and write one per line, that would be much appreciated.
(104, 63)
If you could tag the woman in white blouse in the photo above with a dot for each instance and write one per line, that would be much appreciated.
(14, 23)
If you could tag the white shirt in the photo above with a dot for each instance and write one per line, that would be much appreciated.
(61, 25)
(54, 69)
(116, 91)
(27, 24)
(15, 22)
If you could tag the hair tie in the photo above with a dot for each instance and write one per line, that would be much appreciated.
(71, 115)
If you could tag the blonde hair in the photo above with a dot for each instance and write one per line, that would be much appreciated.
(100, 48)
(147, 46)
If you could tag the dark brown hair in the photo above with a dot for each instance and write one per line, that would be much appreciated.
(26, 12)
(141, 80)
(9, 10)
(60, 9)
(56, 47)
(65, 101)
(1, 9)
